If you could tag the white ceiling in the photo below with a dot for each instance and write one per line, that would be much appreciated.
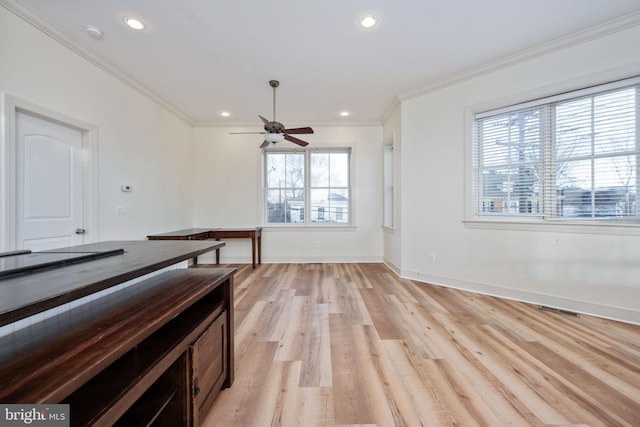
(201, 57)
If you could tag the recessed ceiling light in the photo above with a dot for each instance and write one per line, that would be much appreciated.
(344, 113)
(368, 21)
(225, 114)
(134, 23)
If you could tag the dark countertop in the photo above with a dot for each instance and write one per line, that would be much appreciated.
(31, 293)
(181, 233)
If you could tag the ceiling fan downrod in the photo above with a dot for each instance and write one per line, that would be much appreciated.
(274, 84)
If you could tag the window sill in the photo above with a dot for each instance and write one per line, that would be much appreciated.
(580, 227)
(306, 227)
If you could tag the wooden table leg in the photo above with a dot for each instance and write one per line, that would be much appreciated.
(259, 249)
(253, 250)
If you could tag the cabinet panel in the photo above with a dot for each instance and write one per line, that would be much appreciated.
(209, 364)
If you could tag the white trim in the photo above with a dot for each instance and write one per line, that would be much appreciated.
(11, 105)
(591, 90)
(580, 37)
(290, 124)
(211, 259)
(36, 20)
(395, 103)
(389, 204)
(307, 151)
(613, 74)
(294, 227)
(613, 78)
(618, 314)
(556, 226)
(392, 266)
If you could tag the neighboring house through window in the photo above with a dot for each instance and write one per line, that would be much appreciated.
(310, 180)
(571, 156)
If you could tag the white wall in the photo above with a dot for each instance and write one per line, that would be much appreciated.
(227, 193)
(182, 176)
(392, 239)
(579, 271)
(140, 143)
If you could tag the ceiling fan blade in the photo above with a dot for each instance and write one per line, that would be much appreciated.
(265, 144)
(247, 133)
(299, 130)
(296, 140)
(265, 121)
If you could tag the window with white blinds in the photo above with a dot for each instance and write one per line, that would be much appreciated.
(571, 156)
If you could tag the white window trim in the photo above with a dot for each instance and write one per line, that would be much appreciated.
(520, 101)
(389, 185)
(351, 226)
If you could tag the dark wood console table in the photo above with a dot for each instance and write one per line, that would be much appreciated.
(160, 348)
(254, 233)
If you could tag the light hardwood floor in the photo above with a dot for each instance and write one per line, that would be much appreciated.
(354, 345)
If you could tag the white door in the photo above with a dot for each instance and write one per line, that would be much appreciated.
(49, 184)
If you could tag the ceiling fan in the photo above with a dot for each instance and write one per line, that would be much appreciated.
(275, 131)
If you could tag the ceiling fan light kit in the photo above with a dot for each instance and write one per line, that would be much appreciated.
(274, 137)
(274, 131)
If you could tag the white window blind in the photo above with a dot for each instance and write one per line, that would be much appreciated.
(572, 156)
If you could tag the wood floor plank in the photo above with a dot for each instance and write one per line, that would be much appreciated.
(315, 407)
(416, 329)
(350, 303)
(390, 403)
(237, 406)
(354, 345)
(350, 398)
(528, 377)
(493, 398)
(421, 389)
(291, 344)
(377, 306)
(278, 405)
(277, 320)
(246, 331)
(589, 348)
(609, 404)
(316, 353)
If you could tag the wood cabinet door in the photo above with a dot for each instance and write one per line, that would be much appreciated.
(209, 366)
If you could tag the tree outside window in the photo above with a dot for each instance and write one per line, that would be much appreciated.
(313, 181)
(572, 158)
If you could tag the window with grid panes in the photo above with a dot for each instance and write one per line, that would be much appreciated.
(307, 187)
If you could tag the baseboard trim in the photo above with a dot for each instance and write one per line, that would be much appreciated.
(618, 314)
(211, 259)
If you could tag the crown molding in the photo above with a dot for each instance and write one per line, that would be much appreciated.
(37, 21)
(40, 23)
(577, 38)
(257, 124)
(395, 103)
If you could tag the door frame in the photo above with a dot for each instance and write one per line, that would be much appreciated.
(11, 105)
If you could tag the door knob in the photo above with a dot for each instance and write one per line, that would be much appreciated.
(80, 231)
